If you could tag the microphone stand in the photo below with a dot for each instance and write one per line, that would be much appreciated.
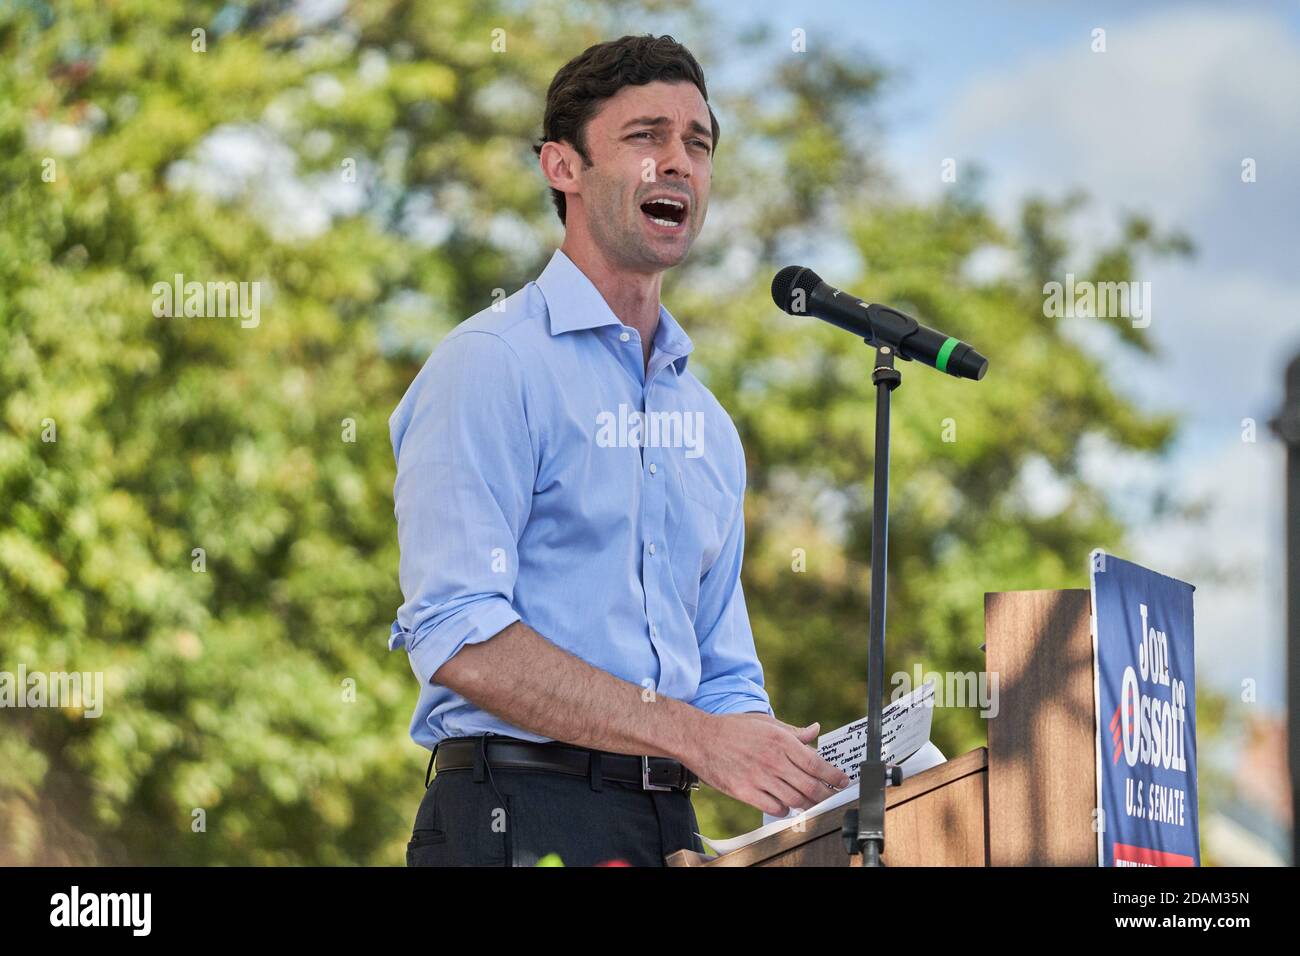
(863, 829)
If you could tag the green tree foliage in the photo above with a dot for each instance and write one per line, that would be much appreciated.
(253, 713)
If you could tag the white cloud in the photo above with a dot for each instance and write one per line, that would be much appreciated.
(1223, 342)
(1161, 121)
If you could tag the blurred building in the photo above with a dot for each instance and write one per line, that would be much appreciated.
(1253, 828)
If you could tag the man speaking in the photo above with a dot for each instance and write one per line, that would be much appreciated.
(569, 504)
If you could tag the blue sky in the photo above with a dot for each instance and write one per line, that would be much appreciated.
(1158, 123)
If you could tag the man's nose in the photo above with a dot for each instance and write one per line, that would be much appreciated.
(675, 160)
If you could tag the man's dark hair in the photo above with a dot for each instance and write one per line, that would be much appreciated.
(602, 70)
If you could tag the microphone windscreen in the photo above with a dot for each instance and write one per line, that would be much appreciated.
(785, 282)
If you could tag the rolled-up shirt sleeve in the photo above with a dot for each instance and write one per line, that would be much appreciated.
(731, 677)
(466, 467)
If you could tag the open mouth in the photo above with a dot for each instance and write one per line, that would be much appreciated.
(670, 213)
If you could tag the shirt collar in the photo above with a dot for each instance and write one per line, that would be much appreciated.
(573, 303)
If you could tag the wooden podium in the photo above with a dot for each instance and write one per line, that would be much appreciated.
(1026, 799)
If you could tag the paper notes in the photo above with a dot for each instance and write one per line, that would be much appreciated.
(904, 740)
(904, 729)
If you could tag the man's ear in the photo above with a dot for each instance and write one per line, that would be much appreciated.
(560, 164)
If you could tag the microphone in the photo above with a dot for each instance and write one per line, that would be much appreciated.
(800, 291)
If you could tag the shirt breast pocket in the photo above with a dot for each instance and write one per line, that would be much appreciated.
(700, 515)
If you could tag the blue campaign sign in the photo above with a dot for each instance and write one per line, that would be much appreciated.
(1145, 671)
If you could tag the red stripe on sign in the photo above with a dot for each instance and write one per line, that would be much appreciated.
(1140, 854)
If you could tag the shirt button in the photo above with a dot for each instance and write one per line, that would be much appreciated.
(654, 630)
(623, 336)
(652, 547)
(653, 469)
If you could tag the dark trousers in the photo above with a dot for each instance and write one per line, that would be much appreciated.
(516, 817)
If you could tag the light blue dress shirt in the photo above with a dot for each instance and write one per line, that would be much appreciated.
(544, 474)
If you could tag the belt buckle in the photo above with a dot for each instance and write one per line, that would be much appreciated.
(645, 777)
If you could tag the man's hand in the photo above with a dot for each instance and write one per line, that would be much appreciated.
(531, 683)
(765, 762)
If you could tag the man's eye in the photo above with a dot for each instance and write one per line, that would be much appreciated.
(642, 133)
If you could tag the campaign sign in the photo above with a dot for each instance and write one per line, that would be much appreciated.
(1144, 669)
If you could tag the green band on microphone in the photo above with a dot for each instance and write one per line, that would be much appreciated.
(941, 363)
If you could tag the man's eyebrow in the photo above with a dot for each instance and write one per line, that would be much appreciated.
(695, 125)
(698, 127)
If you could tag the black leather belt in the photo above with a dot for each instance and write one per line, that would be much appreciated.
(511, 753)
